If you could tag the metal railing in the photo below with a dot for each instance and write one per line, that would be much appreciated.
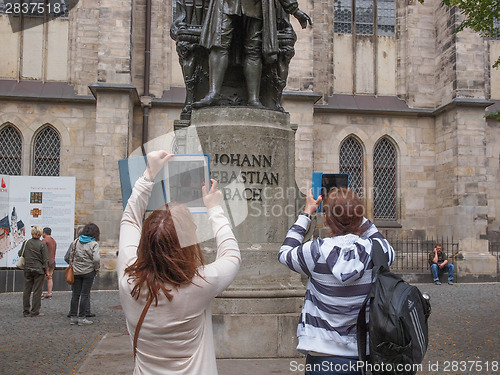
(494, 249)
(413, 254)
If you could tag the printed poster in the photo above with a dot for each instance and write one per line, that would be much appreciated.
(26, 201)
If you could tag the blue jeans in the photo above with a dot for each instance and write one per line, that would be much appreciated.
(436, 271)
(80, 297)
(331, 365)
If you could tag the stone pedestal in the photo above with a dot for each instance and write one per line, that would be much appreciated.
(252, 153)
(476, 266)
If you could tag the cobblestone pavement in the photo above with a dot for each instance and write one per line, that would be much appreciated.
(464, 334)
(49, 344)
(464, 329)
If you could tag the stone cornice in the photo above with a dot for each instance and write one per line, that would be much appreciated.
(37, 91)
(115, 87)
(391, 105)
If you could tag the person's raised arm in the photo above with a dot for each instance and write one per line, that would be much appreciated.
(293, 253)
(228, 258)
(131, 222)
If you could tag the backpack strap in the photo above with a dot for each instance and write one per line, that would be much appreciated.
(139, 323)
(379, 259)
(74, 252)
(361, 333)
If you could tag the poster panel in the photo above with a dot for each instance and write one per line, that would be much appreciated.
(4, 217)
(36, 200)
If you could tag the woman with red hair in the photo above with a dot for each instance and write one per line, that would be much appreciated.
(161, 272)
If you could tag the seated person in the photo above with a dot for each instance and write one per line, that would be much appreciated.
(439, 264)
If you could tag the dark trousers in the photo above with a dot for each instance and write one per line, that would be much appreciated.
(33, 282)
(80, 297)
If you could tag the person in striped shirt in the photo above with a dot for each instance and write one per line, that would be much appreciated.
(339, 271)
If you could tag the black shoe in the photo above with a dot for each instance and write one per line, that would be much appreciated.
(256, 104)
(91, 315)
(209, 100)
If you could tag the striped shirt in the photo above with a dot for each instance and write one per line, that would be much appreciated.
(339, 270)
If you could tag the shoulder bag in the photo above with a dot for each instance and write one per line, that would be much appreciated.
(69, 273)
(21, 261)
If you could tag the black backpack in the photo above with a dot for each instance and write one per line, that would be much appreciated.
(397, 322)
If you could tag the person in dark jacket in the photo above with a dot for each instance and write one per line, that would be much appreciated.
(36, 269)
(438, 262)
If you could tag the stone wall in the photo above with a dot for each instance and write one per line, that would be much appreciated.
(417, 53)
(446, 58)
(113, 124)
(84, 41)
(324, 69)
(300, 77)
(413, 138)
(448, 159)
(75, 125)
(492, 176)
(461, 167)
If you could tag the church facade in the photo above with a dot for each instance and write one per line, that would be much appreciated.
(384, 90)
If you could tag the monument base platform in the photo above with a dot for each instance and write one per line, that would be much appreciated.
(257, 316)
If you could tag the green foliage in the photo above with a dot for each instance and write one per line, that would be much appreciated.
(494, 115)
(482, 16)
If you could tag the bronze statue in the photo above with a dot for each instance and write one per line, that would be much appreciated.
(245, 43)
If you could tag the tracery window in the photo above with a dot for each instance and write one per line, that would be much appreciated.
(11, 148)
(363, 17)
(385, 180)
(47, 153)
(351, 162)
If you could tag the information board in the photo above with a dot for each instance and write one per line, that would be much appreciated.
(26, 201)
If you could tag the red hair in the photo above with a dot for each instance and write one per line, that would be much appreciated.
(344, 211)
(168, 252)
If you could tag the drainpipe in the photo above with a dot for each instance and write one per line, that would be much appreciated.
(146, 97)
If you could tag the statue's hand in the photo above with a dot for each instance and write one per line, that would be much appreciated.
(302, 18)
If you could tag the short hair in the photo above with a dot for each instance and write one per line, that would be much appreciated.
(47, 230)
(344, 211)
(91, 230)
(36, 231)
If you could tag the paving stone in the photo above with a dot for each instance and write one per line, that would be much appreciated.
(464, 328)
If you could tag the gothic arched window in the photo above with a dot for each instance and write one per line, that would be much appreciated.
(11, 147)
(47, 153)
(385, 180)
(351, 162)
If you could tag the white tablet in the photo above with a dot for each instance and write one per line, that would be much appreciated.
(183, 177)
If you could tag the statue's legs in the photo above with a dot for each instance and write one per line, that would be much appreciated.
(217, 64)
(252, 65)
(218, 61)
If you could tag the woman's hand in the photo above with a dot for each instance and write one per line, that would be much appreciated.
(156, 161)
(311, 203)
(212, 198)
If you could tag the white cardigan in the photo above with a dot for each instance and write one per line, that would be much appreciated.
(176, 337)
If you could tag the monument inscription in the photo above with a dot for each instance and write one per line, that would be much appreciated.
(239, 171)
